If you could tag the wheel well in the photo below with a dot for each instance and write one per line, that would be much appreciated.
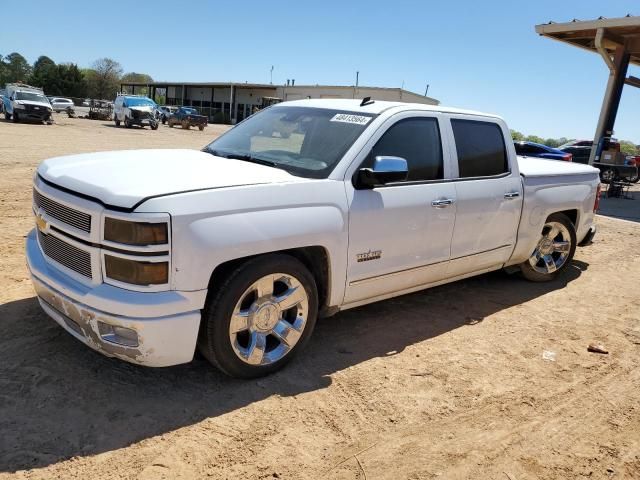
(573, 216)
(315, 258)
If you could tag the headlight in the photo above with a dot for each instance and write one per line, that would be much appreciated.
(19, 106)
(135, 233)
(136, 272)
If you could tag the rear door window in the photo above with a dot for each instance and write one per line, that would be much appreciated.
(481, 148)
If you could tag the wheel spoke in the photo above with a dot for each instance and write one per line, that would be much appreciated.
(239, 321)
(549, 263)
(264, 286)
(256, 348)
(553, 232)
(562, 247)
(536, 255)
(286, 333)
(292, 297)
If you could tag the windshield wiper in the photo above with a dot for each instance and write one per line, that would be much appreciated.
(244, 157)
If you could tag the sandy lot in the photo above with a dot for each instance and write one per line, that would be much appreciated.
(446, 383)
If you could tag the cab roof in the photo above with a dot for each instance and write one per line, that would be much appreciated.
(376, 107)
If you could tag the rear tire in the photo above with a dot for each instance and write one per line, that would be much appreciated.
(186, 125)
(260, 317)
(7, 116)
(554, 251)
(201, 127)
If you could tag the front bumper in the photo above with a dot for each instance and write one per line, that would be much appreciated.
(166, 323)
(34, 115)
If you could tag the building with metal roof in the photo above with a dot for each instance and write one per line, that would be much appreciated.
(229, 102)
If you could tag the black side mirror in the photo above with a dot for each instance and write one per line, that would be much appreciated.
(385, 170)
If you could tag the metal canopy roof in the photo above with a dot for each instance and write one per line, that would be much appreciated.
(615, 32)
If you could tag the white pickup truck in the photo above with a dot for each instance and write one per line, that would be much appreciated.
(302, 210)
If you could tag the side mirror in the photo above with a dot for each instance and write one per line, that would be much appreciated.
(385, 170)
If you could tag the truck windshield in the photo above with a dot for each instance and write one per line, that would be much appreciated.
(307, 142)
(139, 102)
(32, 97)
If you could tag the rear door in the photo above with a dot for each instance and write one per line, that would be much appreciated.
(488, 192)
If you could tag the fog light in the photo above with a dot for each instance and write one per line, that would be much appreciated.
(119, 335)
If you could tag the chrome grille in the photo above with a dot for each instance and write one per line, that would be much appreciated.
(65, 254)
(70, 216)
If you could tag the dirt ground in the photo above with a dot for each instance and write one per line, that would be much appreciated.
(446, 383)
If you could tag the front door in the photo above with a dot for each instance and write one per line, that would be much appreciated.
(400, 233)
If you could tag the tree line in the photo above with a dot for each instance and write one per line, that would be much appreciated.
(626, 147)
(101, 81)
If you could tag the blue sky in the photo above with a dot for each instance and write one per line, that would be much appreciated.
(482, 55)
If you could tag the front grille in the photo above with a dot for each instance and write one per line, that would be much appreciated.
(65, 254)
(70, 216)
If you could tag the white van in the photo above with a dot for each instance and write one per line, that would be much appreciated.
(135, 110)
(23, 102)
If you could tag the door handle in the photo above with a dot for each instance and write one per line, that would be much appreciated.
(445, 202)
(512, 195)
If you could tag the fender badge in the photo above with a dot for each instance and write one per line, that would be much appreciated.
(370, 255)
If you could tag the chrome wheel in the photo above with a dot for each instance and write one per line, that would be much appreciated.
(553, 249)
(269, 319)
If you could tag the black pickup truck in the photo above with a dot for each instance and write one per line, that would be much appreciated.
(188, 117)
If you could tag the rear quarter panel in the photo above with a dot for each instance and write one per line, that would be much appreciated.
(548, 194)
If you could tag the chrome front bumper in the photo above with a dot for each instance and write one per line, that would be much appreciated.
(165, 323)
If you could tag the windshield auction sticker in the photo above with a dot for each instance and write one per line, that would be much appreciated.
(348, 118)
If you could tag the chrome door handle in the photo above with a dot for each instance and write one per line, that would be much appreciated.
(445, 202)
(512, 195)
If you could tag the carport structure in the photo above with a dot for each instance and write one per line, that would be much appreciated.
(617, 40)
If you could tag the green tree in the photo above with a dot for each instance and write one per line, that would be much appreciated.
(103, 79)
(534, 139)
(517, 136)
(17, 68)
(628, 148)
(44, 74)
(133, 77)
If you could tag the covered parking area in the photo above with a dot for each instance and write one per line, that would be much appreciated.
(617, 41)
(221, 102)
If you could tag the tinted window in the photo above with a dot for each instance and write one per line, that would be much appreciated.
(417, 140)
(481, 148)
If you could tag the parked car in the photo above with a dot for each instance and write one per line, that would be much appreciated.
(86, 102)
(188, 117)
(23, 102)
(165, 112)
(581, 151)
(60, 104)
(531, 149)
(135, 110)
(238, 248)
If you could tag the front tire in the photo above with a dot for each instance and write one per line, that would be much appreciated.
(260, 317)
(554, 250)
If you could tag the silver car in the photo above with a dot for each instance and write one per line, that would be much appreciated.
(61, 104)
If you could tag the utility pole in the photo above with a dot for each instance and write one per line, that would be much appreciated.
(271, 76)
(427, 90)
(357, 78)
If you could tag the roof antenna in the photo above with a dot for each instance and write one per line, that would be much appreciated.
(366, 101)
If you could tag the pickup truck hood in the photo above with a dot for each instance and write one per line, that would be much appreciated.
(538, 167)
(125, 178)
